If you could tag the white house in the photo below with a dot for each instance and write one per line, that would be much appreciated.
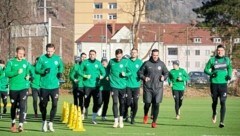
(191, 46)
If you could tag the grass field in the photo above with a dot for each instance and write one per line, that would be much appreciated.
(195, 120)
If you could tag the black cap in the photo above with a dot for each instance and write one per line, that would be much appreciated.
(176, 62)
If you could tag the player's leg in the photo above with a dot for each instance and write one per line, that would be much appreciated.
(54, 94)
(122, 103)
(128, 103)
(87, 98)
(96, 104)
(176, 98)
(35, 96)
(134, 110)
(5, 96)
(214, 94)
(223, 98)
(22, 107)
(26, 107)
(157, 99)
(44, 98)
(181, 96)
(75, 95)
(115, 93)
(81, 100)
(14, 95)
(147, 99)
(106, 97)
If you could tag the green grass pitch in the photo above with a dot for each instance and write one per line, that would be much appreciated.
(195, 120)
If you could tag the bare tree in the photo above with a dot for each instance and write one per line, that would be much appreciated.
(12, 12)
(137, 11)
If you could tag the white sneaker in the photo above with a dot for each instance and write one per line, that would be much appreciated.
(94, 122)
(178, 117)
(99, 113)
(83, 116)
(214, 119)
(44, 126)
(115, 125)
(121, 122)
(50, 126)
(104, 118)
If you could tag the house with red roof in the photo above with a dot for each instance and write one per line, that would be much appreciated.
(192, 46)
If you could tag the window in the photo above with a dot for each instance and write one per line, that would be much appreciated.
(112, 5)
(197, 52)
(197, 40)
(187, 52)
(217, 40)
(197, 64)
(207, 52)
(237, 40)
(104, 53)
(97, 16)
(112, 16)
(98, 5)
(172, 51)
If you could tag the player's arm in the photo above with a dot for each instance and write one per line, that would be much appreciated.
(39, 68)
(185, 76)
(229, 68)
(102, 71)
(165, 71)
(72, 73)
(141, 71)
(80, 70)
(208, 68)
(9, 72)
(128, 70)
(61, 66)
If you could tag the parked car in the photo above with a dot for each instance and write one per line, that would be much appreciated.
(198, 77)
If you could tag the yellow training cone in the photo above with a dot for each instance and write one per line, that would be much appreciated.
(79, 124)
(71, 113)
(63, 110)
(66, 114)
(74, 118)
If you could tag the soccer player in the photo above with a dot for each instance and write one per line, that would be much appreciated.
(35, 85)
(153, 73)
(219, 68)
(17, 70)
(50, 67)
(104, 90)
(3, 88)
(77, 82)
(177, 81)
(92, 72)
(118, 72)
(133, 84)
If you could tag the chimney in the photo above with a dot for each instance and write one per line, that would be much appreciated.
(113, 27)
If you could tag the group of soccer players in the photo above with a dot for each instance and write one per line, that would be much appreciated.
(119, 77)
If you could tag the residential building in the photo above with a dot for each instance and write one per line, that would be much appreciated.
(90, 12)
(190, 45)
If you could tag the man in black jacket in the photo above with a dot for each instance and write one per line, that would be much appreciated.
(153, 73)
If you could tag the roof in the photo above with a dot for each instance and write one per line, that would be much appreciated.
(150, 32)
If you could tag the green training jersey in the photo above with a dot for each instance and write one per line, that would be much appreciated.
(36, 78)
(75, 76)
(133, 81)
(55, 64)
(91, 71)
(218, 68)
(178, 79)
(18, 80)
(105, 83)
(3, 80)
(116, 69)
